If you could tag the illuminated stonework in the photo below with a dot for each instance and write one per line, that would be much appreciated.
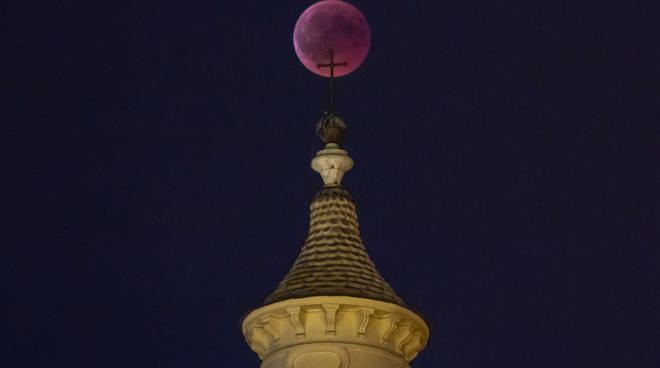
(335, 331)
(334, 309)
(331, 163)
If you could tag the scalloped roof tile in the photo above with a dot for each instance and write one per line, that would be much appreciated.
(333, 260)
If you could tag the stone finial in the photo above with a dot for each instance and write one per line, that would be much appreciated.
(332, 162)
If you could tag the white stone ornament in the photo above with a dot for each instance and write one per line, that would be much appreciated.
(332, 163)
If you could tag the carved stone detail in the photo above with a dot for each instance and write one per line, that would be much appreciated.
(332, 162)
(294, 314)
(412, 347)
(394, 323)
(269, 328)
(336, 320)
(259, 340)
(330, 318)
(364, 314)
(407, 335)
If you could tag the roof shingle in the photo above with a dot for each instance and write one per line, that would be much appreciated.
(333, 260)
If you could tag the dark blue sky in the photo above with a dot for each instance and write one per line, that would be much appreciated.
(157, 176)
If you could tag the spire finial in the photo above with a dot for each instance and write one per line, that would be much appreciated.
(332, 162)
(332, 66)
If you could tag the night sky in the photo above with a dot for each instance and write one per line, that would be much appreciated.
(156, 179)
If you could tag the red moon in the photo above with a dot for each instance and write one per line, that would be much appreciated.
(331, 24)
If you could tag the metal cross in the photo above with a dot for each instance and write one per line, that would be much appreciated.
(332, 66)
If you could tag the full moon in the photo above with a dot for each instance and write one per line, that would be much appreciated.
(336, 25)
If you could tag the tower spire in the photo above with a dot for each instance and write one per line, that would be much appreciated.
(331, 162)
(333, 308)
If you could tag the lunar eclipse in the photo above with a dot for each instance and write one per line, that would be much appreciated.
(331, 25)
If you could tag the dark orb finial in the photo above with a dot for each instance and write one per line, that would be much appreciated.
(331, 129)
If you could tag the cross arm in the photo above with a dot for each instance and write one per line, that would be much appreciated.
(331, 65)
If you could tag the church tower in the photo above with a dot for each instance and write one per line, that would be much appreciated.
(333, 309)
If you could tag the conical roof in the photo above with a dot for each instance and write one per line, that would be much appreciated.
(333, 260)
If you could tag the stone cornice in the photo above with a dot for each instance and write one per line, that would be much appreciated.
(335, 319)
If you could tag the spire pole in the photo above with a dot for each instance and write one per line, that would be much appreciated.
(331, 162)
(332, 66)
